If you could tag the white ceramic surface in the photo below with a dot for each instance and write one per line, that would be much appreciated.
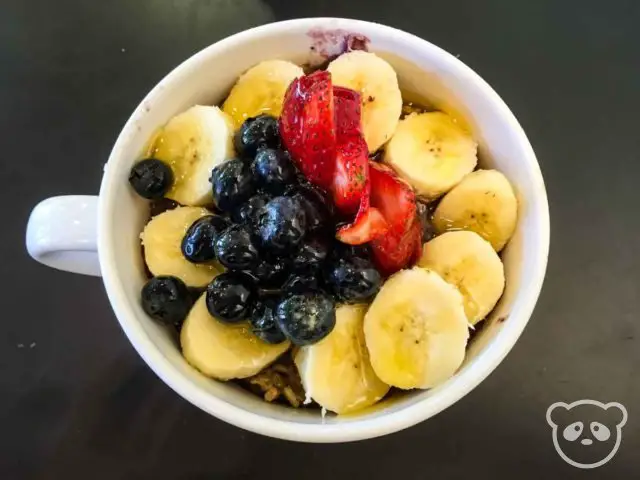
(61, 231)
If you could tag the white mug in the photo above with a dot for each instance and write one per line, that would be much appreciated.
(100, 235)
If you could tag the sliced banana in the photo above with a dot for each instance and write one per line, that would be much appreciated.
(261, 89)
(336, 372)
(162, 239)
(416, 330)
(482, 202)
(192, 143)
(224, 351)
(467, 261)
(432, 152)
(377, 83)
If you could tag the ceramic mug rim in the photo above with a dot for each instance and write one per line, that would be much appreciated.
(453, 390)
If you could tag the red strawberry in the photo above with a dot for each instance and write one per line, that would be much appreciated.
(392, 196)
(396, 201)
(348, 112)
(368, 225)
(351, 176)
(307, 127)
(393, 251)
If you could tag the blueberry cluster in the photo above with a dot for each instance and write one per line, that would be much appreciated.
(285, 271)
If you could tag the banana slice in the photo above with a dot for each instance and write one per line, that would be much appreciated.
(416, 330)
(377, 83)
(261, 89)
(336, 372)
(162, 238)
(431, 152)
(192, 143)
(224, 351)
(467, 261)
(484, 203)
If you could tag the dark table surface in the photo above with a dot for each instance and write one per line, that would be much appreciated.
(77, 402)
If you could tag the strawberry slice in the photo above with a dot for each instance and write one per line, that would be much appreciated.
(351, 176)
(307, 127)
(348, 112)
(392, 196)
(393, 251)
(395, 200)
(368, 224)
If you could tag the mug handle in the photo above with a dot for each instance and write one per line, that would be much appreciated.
(62, 233)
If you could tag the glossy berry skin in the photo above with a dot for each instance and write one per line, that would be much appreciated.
(311, 254)
(306, 319)
(264, 325)
(281, 225)
(198, 243)
(314, 204)
(302, 283)
(230, 296)
(235, 250)
(270, 274)
(354, 279)
(273, 170)
(257, 132)
(151, 178)
(248, 212)
(232, 183)
(166, 300)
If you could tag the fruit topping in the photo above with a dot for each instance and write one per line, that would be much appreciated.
(353, 279)
(273, 170)
(230, 296)
(247, 212)
(281, 225)
(307, 127)
(235, 249)
(166, 299)
(198, 243)
(233, 184)
(306, 318)
(303, 282)
(264, 325)
(311, 255)
(151, 178)
(255, 133)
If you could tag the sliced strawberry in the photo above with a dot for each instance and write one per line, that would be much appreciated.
(348, 112)
(369, 224)
(395, 251)
(401, 245)
(307, 127)
(351, 176)
(392, 196)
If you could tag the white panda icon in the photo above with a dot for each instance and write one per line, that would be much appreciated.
(587, 433)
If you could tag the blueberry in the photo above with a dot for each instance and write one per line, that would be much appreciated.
(264, 325)
(273, 170)
(353, 279)
(302, 283)
(281, 225)
(198, 243)
(166, 299)
(314, 204)
(248, 211)
(230, 296)
(257, 132)
(151, 178)
(235, 250)
(342, 250)
(311, 255)
(232, 184)
(306, 318)
(270, 274)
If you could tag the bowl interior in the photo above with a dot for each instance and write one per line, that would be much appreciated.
(424, 70)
